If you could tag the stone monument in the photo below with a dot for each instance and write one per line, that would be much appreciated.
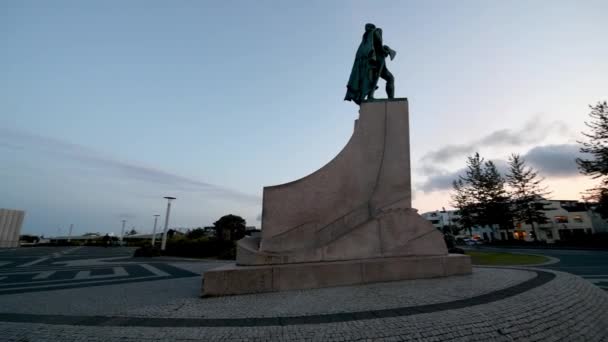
(350, 222)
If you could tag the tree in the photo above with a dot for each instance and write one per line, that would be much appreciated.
(132, 232)
(196, 233)
(480, 195)
(230, 227)
(526, 192)
(462, 200)
(495, 206)
(597, 146)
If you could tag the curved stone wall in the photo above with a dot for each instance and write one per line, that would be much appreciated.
(357, 206)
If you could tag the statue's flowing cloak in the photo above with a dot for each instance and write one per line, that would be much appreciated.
(368, 63)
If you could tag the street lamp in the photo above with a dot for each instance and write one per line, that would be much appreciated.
(449, 220)
(122, 232)
(164, 242)
(154, 231)
(70, 233)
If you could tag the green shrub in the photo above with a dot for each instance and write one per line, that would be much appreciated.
(203, 247)
(229, 252)
(137, 243)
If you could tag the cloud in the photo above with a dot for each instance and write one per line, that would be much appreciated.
(555, 160)
(127, 216)
(532, 132)
(548, 160)
(110, 166)
(441, 182)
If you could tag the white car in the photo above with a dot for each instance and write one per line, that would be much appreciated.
(472, 242)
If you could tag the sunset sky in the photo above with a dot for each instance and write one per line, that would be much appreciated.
(107, 106)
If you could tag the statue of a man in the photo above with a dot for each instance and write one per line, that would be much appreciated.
(370, 64)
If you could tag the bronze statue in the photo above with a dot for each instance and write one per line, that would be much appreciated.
(369, 66)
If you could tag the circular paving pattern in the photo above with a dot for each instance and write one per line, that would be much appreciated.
(512, 305)
(343, 299)
(328, 305)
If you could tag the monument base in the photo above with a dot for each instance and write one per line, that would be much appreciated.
(234, 280)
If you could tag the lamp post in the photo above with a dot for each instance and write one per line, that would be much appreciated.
(122, 232)
(154, 231)
(449, 220)
(164, 241)
(70, 233)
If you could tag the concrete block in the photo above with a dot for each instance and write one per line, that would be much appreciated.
(457, 264)
(315, 275)
(231, 280)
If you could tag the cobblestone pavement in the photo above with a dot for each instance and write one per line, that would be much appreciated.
(377, 296)
(493, 304)
(564, 309)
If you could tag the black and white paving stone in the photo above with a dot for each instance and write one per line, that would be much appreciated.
(77, 267)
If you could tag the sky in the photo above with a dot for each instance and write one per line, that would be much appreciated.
(108, 106)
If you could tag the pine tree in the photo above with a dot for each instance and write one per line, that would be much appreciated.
(480, 195)
(463, 201)
(466, 196)
(597, 147)
(496, 201)
(526, 193)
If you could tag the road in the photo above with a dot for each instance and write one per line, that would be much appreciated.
(589, 264)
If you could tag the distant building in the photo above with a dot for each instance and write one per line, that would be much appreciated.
(88, 237)
(441, 219)
(159, 235)
(566, 220)
(10, 227)
(253, 231)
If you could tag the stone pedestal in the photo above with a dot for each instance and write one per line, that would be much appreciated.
(355, 210)
(233, 279)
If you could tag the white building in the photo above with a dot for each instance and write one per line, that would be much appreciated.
(566, 220)
(442, 218)
(10, 227)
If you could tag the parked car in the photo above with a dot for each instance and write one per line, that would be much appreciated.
(472, 242)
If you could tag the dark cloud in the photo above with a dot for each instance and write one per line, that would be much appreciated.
(554, 160)
(440, 182)
(548, 160)
(113, 167)
(533, 131)
(448, 152)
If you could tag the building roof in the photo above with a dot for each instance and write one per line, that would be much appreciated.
(76, 237)
(143, 236)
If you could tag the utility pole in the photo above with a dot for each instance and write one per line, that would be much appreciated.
(70, 233)
(164, 242)
(122, 232)
(154, 231)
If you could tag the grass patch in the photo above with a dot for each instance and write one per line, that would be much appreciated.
(504, 259)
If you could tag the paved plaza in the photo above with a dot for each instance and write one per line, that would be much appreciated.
(102, 294)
